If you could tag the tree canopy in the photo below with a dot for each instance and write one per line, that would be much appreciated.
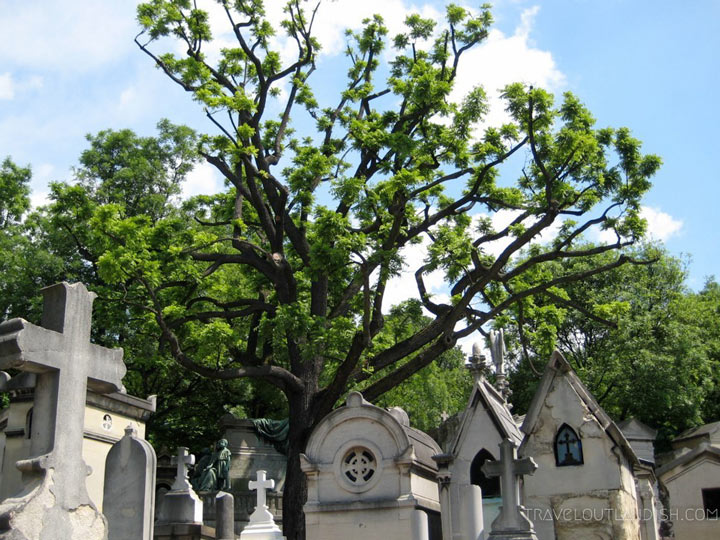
(286, 278)
(283, 277)
(646, 348)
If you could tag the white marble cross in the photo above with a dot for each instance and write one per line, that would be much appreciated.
(261, 484)
(66, 364)
(509, 469)
(183, 461)
(262, 525)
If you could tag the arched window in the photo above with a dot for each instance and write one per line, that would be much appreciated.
(490, 486)
(568, 447)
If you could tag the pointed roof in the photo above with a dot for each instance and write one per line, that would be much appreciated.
(559, 367)
(487, 397)
(634, 429)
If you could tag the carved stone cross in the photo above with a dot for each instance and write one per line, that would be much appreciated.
(261, 484)
(261, 526)
(66, 364)
(183, 461)
(512, 519)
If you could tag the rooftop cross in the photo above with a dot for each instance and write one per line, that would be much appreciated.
(509, 469)
(66, 364)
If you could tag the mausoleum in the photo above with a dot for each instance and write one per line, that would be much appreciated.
(370, 475)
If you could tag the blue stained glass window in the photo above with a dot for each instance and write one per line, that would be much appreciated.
(568, 447)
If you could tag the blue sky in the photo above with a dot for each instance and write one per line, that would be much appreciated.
(70, 67)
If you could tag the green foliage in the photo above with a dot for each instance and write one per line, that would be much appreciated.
(14, 193)
(283, 278)
(441, 388)
(656, 364)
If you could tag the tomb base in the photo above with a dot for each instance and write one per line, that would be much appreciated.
(184, 531)
(35, 515)
(513, 535)
(267, 530)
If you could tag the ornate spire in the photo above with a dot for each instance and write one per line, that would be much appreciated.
(497, 350)
(476, 362)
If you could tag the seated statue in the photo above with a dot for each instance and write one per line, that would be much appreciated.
(215, 475)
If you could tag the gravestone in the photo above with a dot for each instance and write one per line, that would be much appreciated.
(130, 488)
(512, 523)
(55, 503)
(181, 512)
(181, 504)
(261, 526)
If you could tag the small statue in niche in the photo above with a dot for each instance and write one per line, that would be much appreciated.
(215, 475)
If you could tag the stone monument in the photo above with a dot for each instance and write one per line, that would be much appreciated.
(130, 488)
(181, 504)
(55, 503)
(181, 513)
(512, 523)
(261, 526)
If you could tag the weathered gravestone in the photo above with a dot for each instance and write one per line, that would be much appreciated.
(181, 504)
(512, 523)
(130, 488)
(55, 503)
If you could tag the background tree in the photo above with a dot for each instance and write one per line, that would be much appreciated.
(140, 178)
(282, 278)
(654, 362)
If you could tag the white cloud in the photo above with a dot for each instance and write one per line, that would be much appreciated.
(502, 60)
(127, 96)
(203, 180)
(10, 87)
(661, 226)
(65, 36)
(42, 175)
(7, 86)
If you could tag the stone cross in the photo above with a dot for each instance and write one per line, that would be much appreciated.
(261, 484)
(181, 504)
(183, 461)
(512, 521)
(66, 364)
(261, 525)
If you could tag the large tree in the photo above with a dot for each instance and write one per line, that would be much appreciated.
(285, 279)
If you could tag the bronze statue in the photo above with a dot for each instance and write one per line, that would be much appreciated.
(215, 475)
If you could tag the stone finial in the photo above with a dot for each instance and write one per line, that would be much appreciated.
(476, 362)
(497, 351)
